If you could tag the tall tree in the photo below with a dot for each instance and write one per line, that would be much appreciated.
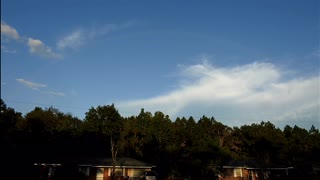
(8, 119)
(138, 132)
(262, 141)
(108, 121)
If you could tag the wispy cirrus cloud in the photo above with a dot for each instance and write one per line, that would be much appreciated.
(36, 46)
(73, 40)
(30, 84)
(81, 36)
(39, 87)
(237, 95)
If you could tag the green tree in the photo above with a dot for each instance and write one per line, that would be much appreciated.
(138, 132)
(161, 128)
(302, 146)
(11, 142)
(262, 142)
(8, 119)
(107, 121)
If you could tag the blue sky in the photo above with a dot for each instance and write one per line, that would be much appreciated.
(239, 61)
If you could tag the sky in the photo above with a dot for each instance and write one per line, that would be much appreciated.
(241, 62)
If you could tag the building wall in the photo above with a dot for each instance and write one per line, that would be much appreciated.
(86, 172)
(229, 174)
(136, 172)
(235, 174)
(231, 178)
(126, 172)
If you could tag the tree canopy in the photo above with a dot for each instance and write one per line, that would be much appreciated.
(181, 147)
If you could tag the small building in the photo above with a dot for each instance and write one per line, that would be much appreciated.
(91, 168)
(249, 170)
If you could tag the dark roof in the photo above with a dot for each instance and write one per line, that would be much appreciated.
(251, 164)
(240, 163)
(96, 161)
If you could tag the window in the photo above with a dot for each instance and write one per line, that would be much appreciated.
(84, 170)
(100, 172)
(137, 172)
(118, 172)
(237, 172)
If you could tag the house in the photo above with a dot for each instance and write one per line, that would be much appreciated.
(91, 168)
(249, 170)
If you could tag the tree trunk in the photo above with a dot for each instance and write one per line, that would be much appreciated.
(114, 152)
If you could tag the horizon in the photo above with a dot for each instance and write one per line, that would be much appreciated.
(196, 118)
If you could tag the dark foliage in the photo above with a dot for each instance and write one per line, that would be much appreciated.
(184, 147)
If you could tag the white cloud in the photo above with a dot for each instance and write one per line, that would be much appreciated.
(74, 40)
(39, 87)
(80, 36)
(241, 94)
(35, 46)
(9, 31)
(32, 85)
(38, 47)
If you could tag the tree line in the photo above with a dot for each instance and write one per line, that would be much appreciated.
(181, 147)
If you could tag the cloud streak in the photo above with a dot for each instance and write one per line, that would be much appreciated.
(73, 40)
(241, 94)
(39, 87)
(32, 85)
(38, 47)
(81, 36)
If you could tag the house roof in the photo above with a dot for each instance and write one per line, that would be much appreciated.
(250, 164)
(241, 164)
(96, 162)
